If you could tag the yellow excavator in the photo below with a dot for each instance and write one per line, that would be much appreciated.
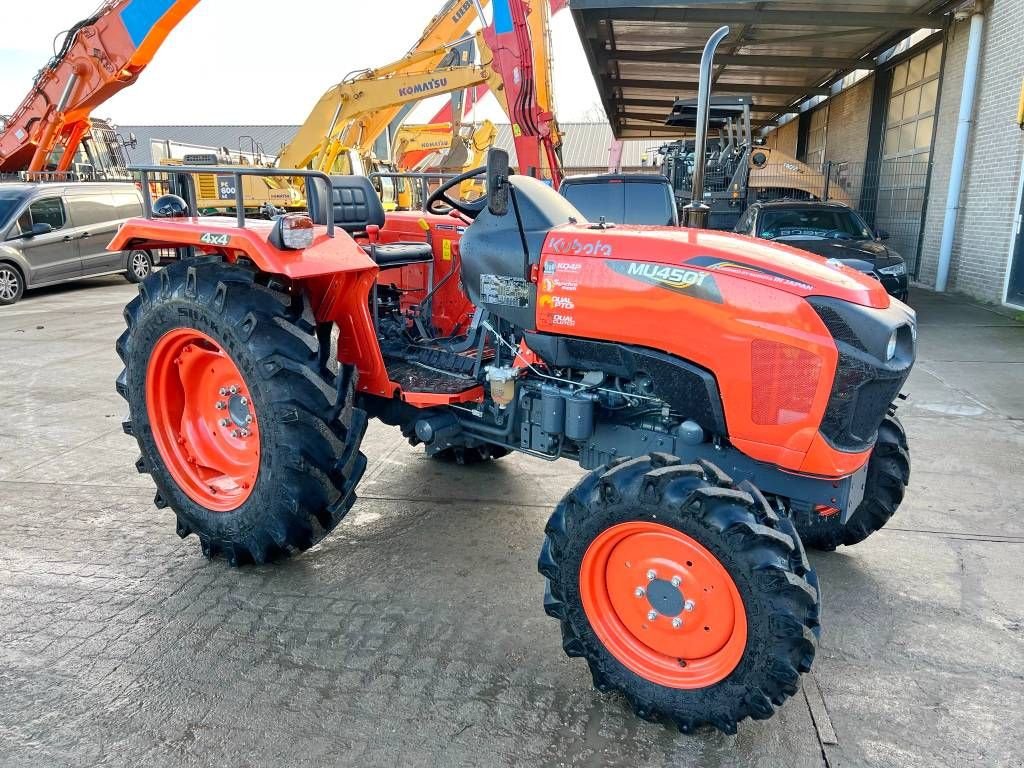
(338, 135)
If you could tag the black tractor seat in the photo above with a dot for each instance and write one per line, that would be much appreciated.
(388, 255)
(357, 208)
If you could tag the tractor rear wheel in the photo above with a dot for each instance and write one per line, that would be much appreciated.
(886, 483)
(682, 590)
(247, 439)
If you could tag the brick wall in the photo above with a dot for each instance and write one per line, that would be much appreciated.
(992, 175)
(849, 123)
(784, 138)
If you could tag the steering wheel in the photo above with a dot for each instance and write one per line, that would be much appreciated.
(440, 196)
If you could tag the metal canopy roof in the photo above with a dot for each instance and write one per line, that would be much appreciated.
(645, 55)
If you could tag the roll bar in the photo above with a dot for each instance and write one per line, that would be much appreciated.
(310, 177)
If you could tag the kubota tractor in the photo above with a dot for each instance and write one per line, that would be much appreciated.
(732, 399)
(729, 396)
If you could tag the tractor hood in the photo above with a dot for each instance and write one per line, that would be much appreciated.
(761, 261)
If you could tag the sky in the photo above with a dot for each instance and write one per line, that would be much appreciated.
(251, 63)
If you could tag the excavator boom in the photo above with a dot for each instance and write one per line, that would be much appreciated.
(100, 55)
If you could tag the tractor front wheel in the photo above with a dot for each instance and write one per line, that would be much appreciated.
(682, 590)
(885, 485)
(247, 439)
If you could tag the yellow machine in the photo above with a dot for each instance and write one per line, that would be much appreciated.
(411, 140)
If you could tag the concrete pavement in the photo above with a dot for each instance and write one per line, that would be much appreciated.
(414, 635)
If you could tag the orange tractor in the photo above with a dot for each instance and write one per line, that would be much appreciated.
(729, 397)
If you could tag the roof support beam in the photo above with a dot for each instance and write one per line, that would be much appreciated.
(676, 86)
(655, 119)
(663, 11)
(666, 104)
(674, 56)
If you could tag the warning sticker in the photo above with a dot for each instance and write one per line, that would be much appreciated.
(504, 291)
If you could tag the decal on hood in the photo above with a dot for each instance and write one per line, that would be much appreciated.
(714, 263)
(688, 282)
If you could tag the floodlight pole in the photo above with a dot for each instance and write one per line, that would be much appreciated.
(696, 211)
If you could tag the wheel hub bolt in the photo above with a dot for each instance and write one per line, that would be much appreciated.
(676, 581)
(652, 575)
(677, 623)
(223, 391)
(220, 405)
(248, 419)
(640, 592)
(243, 400)
(233, 389)
(652, 615)
(224, 422)
(689, 605)
(244, 433)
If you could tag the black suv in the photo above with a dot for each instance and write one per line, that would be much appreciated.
(832, 230)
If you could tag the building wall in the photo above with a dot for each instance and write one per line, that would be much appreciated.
(786, 137)
(849, 122)
(992, 175)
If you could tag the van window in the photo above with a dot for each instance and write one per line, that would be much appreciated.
(623, 202)
(49, 210)
(652, 204)
(128, 205)
(95, 209)
(597, 199)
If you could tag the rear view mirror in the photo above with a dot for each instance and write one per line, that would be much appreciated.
(497, 182)
(41, 228)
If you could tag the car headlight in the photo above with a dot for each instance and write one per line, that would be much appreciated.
(895, 270)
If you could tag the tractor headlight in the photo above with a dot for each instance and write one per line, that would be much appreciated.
(296, 230)
(890, 349)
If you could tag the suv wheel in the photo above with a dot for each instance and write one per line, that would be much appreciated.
(139, 267)
(12, 285)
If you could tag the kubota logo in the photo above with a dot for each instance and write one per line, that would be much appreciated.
(424, 87)
(577, 247)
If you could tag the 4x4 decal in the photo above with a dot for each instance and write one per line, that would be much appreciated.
(214, 238)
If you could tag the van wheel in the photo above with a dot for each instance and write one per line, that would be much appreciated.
(12, 284)
(139, 266)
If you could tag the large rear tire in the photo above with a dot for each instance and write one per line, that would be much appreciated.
(884, 488)
(682, 590)
(244, 434)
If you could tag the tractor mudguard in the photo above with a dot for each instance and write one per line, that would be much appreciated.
(335, 273)
(209, 235)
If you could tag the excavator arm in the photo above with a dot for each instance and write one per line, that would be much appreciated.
(100, 55)
(323, 124)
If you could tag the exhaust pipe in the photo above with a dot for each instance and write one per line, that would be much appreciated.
(696, 212)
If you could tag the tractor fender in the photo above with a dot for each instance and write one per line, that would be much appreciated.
(326, 257)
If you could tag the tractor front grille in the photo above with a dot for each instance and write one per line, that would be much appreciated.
(861, 394)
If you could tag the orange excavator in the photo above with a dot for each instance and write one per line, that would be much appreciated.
(100, 56)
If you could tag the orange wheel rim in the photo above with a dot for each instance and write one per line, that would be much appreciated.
(663, 605)
(203, 420)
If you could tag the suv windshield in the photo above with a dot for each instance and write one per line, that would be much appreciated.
(813, 224)
(10, 201)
